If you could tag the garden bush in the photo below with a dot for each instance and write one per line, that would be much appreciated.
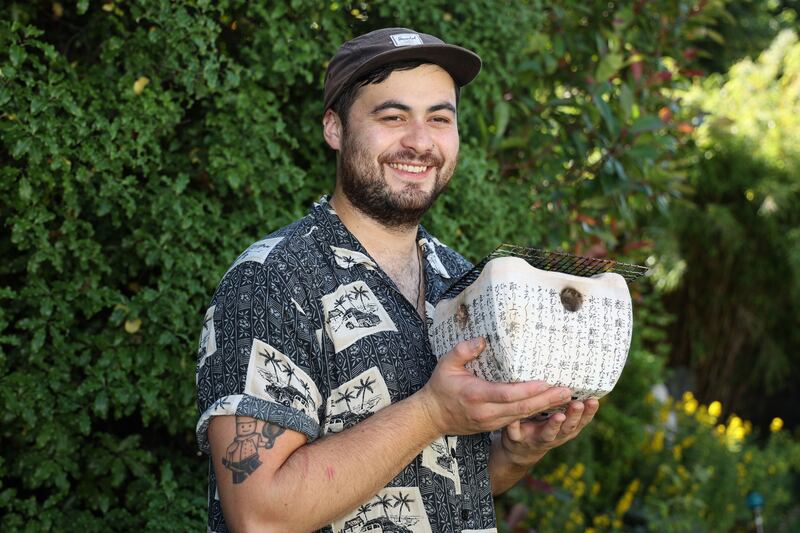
(144, 144)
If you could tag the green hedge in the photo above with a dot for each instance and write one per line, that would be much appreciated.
(145, 144)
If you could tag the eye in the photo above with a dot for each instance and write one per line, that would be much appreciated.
(442, 120)
(391, 118)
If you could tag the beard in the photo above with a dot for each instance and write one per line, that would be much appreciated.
(364, 184)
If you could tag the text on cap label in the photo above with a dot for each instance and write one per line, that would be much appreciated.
(406, 39)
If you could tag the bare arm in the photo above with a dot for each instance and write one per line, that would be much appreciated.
(300, 487)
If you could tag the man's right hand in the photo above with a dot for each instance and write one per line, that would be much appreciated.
(459, 403)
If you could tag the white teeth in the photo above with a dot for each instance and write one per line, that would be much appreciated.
(408, 168)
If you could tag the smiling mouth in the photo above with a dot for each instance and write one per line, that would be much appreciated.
(414, 169)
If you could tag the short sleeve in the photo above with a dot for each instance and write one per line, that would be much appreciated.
(257, 352)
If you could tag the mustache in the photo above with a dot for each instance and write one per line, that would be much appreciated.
(427, 159)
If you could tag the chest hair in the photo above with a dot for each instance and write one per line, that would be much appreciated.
(405, 273)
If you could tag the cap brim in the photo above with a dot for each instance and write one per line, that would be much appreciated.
(462, 64)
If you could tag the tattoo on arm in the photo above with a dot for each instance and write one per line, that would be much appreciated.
(241, 457)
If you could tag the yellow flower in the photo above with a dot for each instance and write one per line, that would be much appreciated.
(133, 325)
(140, 84)
(580, 488)
(688, 396)
(736, 433)
(690, 406)
(601, 521)
(776, 424)
(658, 441)
(578, 470)
(595, 488)
(720, 429)
(677, 452)
(715, 408)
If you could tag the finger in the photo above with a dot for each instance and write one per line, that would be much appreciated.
(509, 392)
(552, 427)
(465, 351)
(503, 414)
(514, 431)
(591, 408)
(574, 415)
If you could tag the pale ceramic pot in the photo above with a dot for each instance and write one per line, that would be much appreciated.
(565, 330)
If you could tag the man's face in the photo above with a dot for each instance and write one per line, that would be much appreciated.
(400, 146)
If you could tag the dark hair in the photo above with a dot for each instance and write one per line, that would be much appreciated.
(345, 100)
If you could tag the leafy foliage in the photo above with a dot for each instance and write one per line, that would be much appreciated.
(739, 298)
(145, 144)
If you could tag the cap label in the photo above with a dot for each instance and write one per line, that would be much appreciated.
(406, 39)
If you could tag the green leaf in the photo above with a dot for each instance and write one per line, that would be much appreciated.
(502, 113)
(17, 54)
(626, 100)
(608, 116)
(646, 123)
(608, 66)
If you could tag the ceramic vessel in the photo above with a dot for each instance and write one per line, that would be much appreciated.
(540, 325)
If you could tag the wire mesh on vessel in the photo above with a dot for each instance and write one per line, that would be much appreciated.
(549, 260)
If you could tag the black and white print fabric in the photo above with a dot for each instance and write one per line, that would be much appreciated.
(305, 331)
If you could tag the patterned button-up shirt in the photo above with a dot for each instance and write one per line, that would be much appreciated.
(306, 331)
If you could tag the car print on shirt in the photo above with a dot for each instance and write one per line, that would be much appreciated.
(274, 377)
(355, 400)
(392, 510)
(352, 312)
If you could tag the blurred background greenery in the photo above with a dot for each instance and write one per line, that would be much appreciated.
(145, 143)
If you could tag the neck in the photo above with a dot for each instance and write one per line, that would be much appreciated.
(390, 244)
(394, 249)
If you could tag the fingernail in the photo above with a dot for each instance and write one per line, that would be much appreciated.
(476, 343)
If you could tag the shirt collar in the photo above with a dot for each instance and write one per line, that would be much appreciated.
(348, 251)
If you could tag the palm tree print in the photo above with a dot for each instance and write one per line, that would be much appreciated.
(289, 371)
(340, 302)
(271, 357)
(364, 509)
(384, 501)
(400, 501)
(345, 397)
(307, 388)
(363, 386)
(360, 293)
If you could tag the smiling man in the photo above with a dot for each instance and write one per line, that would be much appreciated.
(322, 405)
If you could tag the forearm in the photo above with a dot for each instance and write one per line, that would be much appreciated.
(322, 481)
(504, 472)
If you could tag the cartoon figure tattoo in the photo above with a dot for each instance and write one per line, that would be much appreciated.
(241, 457)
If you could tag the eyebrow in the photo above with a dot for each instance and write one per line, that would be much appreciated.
(394, 104)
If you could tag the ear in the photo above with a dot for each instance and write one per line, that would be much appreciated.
(332, 129)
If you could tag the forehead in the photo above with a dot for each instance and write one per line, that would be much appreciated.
(422, 86)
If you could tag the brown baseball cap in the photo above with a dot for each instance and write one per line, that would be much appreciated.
(374, 49)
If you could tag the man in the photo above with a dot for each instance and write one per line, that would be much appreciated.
(317, 335)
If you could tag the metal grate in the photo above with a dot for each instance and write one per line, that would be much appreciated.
(549, 260)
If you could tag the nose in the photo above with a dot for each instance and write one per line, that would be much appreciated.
(417, 137)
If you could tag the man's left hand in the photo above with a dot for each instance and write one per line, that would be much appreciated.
(525, 441)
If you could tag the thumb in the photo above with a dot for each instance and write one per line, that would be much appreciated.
(465, 351)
